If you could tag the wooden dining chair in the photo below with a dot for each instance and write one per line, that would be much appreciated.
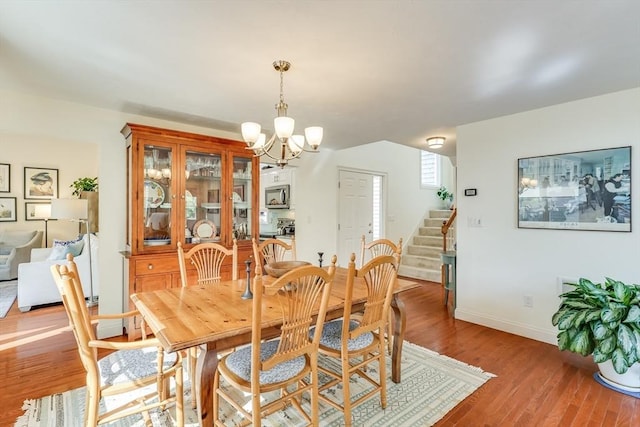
(207, 258)
(358, 343)
(133, 366)
(273, 250)
(283, 363)
(371, 250)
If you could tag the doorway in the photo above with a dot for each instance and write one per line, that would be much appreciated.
(360, 211)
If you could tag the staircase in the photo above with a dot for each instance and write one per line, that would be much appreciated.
(421, 258)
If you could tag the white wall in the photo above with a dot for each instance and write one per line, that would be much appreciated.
(498, 263)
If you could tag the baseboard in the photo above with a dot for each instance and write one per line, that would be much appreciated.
(544, 335)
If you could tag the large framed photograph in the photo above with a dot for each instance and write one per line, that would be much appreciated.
(8, 209)
(585, 190)
(40, 183)
(37, 211)
(5, 178)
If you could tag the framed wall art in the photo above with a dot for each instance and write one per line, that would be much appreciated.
(37, 211)
(40, 183)
(8, 209)
(5, 178)
(584, 190)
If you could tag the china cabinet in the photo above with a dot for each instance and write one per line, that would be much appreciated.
(188, 188)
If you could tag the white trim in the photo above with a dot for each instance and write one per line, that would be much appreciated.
(517, 328)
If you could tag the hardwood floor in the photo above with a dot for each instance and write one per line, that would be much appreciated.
(536, 384)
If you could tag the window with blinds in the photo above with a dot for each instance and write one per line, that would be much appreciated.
(429, 169)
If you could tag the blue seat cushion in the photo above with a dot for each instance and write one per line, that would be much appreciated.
(239, 362)
(127, 365)
(332, 336)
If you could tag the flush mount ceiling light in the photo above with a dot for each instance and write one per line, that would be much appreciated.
(436, 141)
(291, 146)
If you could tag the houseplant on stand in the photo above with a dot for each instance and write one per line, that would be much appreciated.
(446, 197)
(603, 320)
(87, 188)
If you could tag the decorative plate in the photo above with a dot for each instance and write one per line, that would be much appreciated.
(204, 229)
(153, 194)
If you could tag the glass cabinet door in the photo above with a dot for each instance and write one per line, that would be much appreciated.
(242, 198)
(203, 205)
(158, 195)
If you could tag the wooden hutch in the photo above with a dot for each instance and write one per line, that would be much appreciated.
(189, 188)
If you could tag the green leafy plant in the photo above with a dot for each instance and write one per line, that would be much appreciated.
(444, 194)
(84, 184)
(602, 320)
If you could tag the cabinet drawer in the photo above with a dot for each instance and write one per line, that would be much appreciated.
(156, 265)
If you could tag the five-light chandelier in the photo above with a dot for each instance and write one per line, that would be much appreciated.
(291, 146)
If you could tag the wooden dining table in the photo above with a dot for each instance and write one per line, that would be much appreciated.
(217, 318)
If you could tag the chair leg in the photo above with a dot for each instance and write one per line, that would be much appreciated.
(179, 397)
(92, 402)
(383, 376)
(346, 392)
(390, 333)
(216, 398)
(192, 361)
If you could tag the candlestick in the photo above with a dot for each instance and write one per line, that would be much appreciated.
(247, 291)
(320, 258)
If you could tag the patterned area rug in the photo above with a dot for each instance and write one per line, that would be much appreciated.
(431, 386)
(8, 293)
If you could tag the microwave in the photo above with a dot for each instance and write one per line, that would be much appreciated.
(277, 197)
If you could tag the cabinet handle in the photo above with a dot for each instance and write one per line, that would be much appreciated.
(150, 267)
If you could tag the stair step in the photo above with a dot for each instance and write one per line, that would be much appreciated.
(428, 263)
(440, 213)
(424, 251)
(420, 273)
(430, 231)
(434, 222)
(433, 241)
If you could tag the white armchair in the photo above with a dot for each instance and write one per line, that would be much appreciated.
(15, 248)
(35, 282)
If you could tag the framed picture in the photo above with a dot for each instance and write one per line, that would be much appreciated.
(239, 190)
(5, 178)
(585, 190)
(37, 211)
(40, 183)
(8, 209)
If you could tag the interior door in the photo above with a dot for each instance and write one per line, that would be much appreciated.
(355, 205)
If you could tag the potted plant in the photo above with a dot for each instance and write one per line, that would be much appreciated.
(446, 196)
(84, 184)
(603, 320)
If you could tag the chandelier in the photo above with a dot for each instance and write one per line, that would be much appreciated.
(291, 146)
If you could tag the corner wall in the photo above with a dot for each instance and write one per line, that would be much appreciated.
(498, 263)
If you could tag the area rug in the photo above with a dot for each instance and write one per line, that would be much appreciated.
(8, 293)
(431, 386)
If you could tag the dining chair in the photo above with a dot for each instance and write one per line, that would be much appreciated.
(273, 250)
(358, 343)
(132, 366)
(374, 249)
(207, 258)
(285, 362)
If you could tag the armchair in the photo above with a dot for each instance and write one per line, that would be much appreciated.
(15, 248)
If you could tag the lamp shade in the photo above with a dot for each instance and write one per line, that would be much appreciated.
(69, 208)
(284, 126)
(42, 211)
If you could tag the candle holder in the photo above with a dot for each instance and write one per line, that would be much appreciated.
(247, 291)
(320, 254)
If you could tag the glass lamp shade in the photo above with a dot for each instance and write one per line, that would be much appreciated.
(284, 126)
(314, 136)
(262, 138)
(42, 211)
(250, 132)
(296, 142)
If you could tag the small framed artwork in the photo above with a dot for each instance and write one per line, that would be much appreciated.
(239, 190)
(5, 178)
(582, 190)
(8, 209)
(40, 183)
(37, 211)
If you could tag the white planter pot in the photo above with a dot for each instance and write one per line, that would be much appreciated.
(629, 381)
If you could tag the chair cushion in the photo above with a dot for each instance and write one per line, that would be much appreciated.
(126, 365)
(239, 362)
(332, 336)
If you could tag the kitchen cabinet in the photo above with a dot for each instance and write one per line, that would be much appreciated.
(275, 177)
(188, 188)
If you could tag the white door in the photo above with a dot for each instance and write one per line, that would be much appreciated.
(355, 205)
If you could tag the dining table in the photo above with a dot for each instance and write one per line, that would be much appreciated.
(217, 318)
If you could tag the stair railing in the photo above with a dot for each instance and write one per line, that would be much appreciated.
(448, 239)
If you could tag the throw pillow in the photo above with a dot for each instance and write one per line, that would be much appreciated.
(63, 247)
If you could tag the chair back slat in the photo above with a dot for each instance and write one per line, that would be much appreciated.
(300, 293)
(378, 247)
(208, 259)
(273, 250)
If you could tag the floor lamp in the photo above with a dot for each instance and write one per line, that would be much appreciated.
(43, 212)
(77, 210)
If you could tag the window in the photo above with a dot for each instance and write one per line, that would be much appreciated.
(429, 169)
(377, 207)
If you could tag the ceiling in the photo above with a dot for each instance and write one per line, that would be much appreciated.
(366, 71)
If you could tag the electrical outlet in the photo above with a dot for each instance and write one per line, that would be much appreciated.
(528, 301)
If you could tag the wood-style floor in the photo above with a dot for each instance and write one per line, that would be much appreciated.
(536, 384)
